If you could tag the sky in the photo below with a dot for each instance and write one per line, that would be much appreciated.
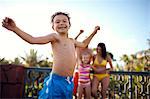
(125, 24)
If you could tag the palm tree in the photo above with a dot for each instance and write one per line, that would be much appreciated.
(125, 59)
(31, 59)
(143, 59)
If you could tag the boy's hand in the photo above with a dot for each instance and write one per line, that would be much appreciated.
(97, 28)
(9, 24)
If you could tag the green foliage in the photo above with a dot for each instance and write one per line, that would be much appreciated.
(45, 63)
(16, 61)
(4, 61)
(137, 62)
(31, 59)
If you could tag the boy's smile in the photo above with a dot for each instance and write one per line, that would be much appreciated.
(62, 27)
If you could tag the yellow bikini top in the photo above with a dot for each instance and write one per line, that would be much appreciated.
(102, 64)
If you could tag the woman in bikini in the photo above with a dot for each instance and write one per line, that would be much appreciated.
(99, 68)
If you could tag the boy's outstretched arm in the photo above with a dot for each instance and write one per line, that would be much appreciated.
(81, 31)
(9, 24)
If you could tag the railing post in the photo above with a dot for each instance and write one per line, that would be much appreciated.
(130, 86)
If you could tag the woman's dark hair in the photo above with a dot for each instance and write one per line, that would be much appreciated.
(60, 13)
(103, 47)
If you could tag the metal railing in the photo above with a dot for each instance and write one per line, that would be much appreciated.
(129, 85)
(34, 79)
(123, 85)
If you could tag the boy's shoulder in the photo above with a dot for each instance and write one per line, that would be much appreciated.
(56, 35)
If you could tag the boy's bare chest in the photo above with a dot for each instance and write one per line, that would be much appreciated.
(67, 46)
(66, 43)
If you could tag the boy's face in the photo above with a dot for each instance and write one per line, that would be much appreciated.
(61, 24)
(86, 58)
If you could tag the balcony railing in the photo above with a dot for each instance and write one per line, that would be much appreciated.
(34, 79)
(129, 85)
(123, 85)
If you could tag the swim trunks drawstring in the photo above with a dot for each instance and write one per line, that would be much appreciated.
(68, 80)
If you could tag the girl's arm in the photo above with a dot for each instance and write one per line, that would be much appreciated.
(81, 31)
(110, 62)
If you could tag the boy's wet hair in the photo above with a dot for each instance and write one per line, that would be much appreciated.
(60, 13)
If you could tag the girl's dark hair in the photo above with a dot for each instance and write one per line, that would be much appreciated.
(60, 13)
(103, 47)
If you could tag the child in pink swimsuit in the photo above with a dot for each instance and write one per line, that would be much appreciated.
(84, 82)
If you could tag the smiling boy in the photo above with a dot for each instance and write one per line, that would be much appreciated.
(59, 84)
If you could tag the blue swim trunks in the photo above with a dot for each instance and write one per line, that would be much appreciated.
(57, 87)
